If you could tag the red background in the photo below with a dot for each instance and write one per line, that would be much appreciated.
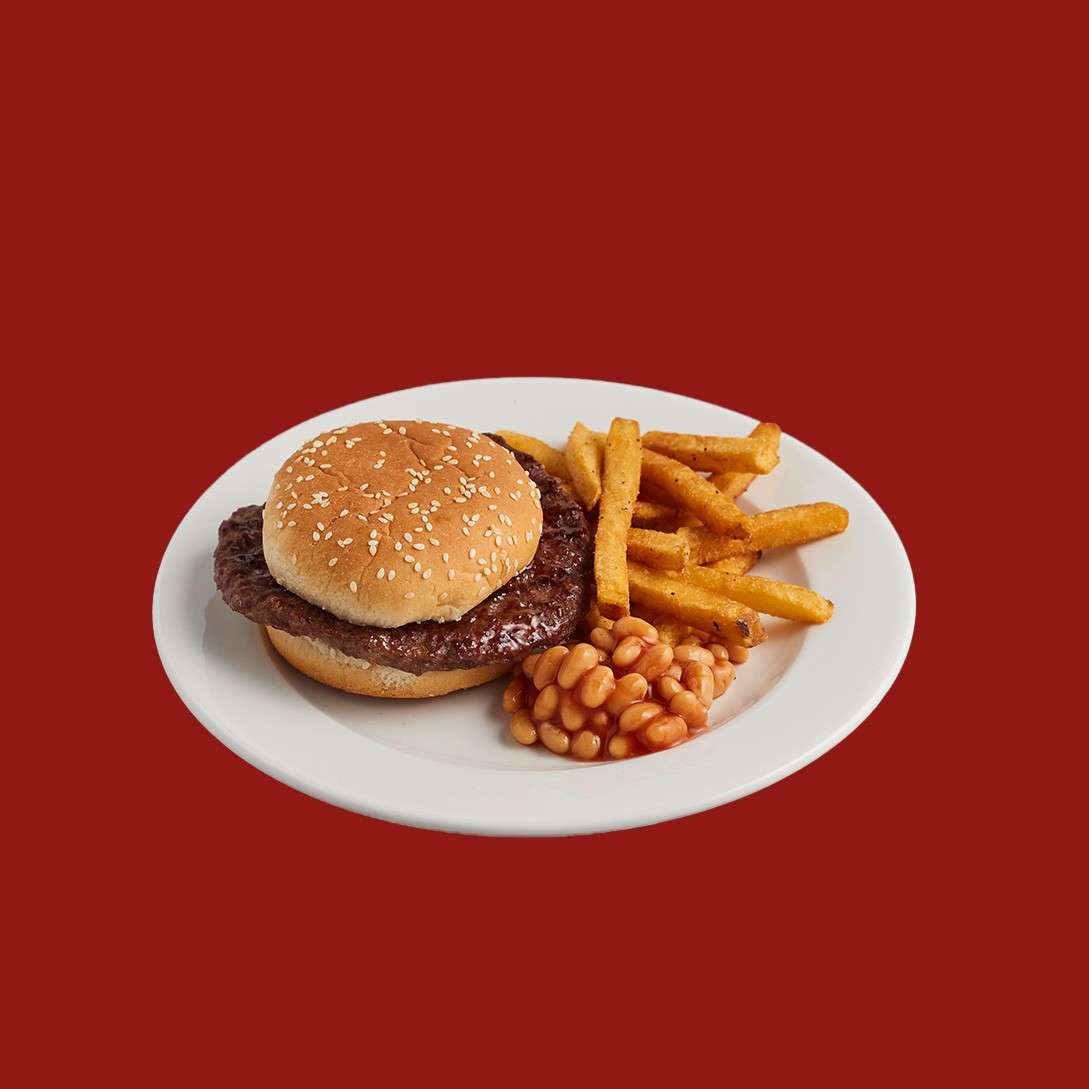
(849, 222)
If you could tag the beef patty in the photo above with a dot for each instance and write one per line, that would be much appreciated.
(539, 607)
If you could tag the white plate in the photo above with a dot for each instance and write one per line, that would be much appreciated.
(449, 763)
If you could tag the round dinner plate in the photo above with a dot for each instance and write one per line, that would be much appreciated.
(449, 763)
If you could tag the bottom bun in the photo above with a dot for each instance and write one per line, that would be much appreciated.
(326, 664)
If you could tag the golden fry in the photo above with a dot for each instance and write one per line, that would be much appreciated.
(735, 565)
(665, 551)
(796, 525)
(779, 528)
(670, 629)
(694, 492)
(594, 619)
(653, 515)
(734, 484)
(550, 458)
(583, 456)
(712, 453)
(764, 595)
(703, 609)
(619, 487)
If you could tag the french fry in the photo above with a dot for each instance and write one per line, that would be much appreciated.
(583, 456)
(594, 619)
(703, 609)
(705, 546)
(651, 493)
(713, 453)
(779, 528)
(764, 595)
(665, 551)
(788, 526)
(619, 487)
(550, 458)
(694, 492)
(736, 565)
(670, 629)
(734, 484)
(650, 515)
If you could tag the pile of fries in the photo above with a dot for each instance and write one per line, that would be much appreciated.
(671, 540)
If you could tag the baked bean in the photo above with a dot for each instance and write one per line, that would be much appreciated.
(598, 721)
(667, 686)
(633, 718)
(688, 653)
(627, 650)
(603, 640)
(631, 688)
(530, 664)
(585, 745)
(546, 703)
(632, 625)
(602, 657)
(738, 654)
(724, 676)
(514, 698)
(674, 671)
(522, 728)
(621, 746)
(719, 651)
(553, 738)
(697, 678)
(572, 714)
(654, 661)
(687, 705)
(663, 732)
(596, 686)
(548, 666)
(582, 658)
(690, 640)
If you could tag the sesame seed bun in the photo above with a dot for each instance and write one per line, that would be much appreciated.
(326, 664)
(394, 522)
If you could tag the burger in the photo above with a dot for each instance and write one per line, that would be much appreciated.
(405, 558)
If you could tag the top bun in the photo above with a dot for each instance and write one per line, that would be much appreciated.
(392, 522)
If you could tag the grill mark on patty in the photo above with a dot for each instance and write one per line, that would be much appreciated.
(539, 607)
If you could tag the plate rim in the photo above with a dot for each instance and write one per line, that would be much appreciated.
(436, 820)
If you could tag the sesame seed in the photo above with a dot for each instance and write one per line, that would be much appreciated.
(472, 553)
(328, 534)
(427, 573)
(419, 547)
(417, 567)
(399, 546)
(333, 562)
(291, 523)
(391, 575)
(410, 593)
(400, 431)
(450, 574)
(381, 572)
(321, 525)
(353, 586)
(433, 540)
(317, 536)
(407, 557)
(477, 577)
(446, 557)
(465, 530)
